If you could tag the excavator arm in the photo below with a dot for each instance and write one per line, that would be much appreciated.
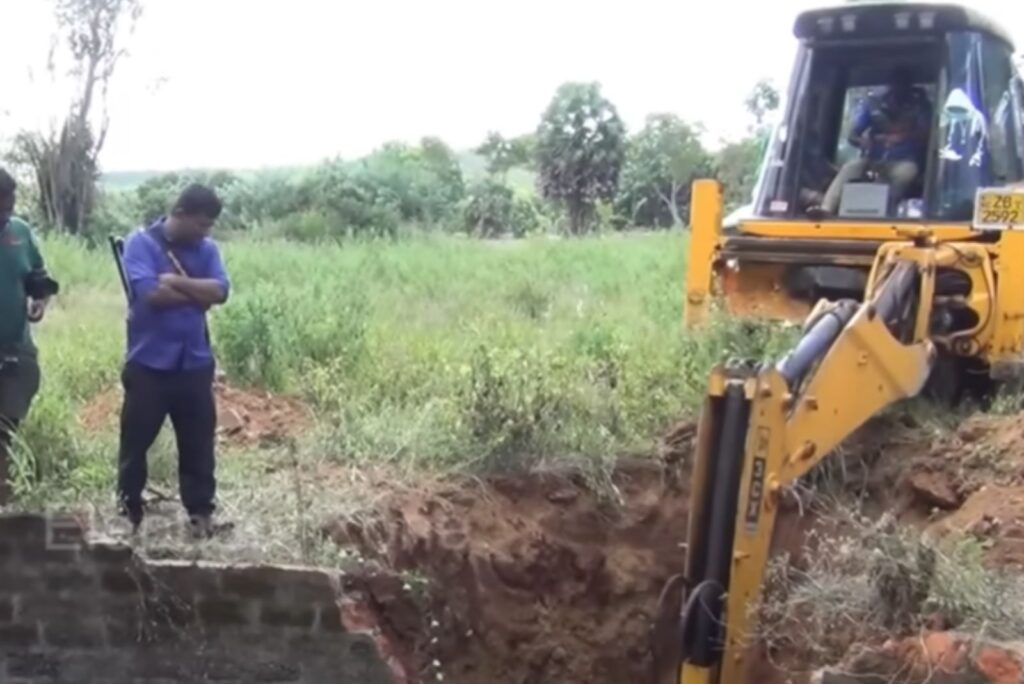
(764, 427)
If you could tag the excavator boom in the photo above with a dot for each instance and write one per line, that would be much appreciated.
(763, 427)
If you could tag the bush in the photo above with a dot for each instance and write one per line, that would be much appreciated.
(492, 210)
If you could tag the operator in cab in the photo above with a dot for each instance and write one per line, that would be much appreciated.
(891, 130)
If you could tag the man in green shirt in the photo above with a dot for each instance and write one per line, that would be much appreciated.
(24, 291)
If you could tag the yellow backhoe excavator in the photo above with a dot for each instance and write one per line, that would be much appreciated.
(889, 216)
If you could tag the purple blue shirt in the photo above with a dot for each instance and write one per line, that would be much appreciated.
(887, 114)
(168, 337)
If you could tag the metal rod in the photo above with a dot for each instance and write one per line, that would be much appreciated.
(708, 627)
(815, 343)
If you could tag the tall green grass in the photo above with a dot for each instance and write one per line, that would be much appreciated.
(430, 353)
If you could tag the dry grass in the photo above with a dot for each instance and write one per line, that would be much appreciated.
(868, 580)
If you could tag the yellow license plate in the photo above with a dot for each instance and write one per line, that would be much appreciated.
(999, 209)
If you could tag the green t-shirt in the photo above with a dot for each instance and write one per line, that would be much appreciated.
(19, 255)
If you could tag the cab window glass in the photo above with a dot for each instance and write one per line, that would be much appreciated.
(999, 100)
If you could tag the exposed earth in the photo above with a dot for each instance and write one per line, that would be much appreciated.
(244, 417)
(538, 579)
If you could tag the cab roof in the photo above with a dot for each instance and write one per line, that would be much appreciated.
(879, 18)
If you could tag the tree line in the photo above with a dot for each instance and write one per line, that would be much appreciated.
(585, 171)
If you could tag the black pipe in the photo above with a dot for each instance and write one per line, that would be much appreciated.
(708, 631)
(117, 248)
(815, 342)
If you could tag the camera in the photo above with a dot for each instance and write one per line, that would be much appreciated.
(39, 285)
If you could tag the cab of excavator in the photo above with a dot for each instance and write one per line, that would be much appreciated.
(895, 111)
(897, 114)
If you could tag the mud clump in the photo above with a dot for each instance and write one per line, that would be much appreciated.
(244, 417)
(933, 658)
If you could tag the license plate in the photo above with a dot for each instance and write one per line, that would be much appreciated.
(999, 209)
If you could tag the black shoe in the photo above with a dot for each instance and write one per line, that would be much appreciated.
(200, 526)
(134, 516)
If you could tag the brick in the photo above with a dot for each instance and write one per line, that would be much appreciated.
(330, 618)
(184, 580)
(32, 665)
(112, 553)
(64, 531)
(120, 581)
(255, 582)
(276, 672)
(298, 616)
(18, 635)
(74, 579)
(224, 670)
(167, 610)
(73, 634)
(22, 526)
(173, 665)
(222, 612)
(100, 666)
(36, 552)
(6, 608)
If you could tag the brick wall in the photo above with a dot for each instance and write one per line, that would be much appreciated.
(76, 612)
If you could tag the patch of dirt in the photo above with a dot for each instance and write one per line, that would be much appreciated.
(244, 417)
(934, 657)
(538, 579)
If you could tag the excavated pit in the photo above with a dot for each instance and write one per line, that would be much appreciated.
(538, 579)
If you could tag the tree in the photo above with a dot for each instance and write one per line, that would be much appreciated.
(736, 167)
(503, 154)
(737, 162)
(580, 151)
(662, 162)
(64, 160)
(762, 100)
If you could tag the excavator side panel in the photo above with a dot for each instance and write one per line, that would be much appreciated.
(706, 228)
(1008, 338)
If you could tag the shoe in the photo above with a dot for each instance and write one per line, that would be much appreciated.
(133, 515)
(200, 526)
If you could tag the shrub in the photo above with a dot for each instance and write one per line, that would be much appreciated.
(492, 209)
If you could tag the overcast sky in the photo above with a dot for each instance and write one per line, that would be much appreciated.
(250, 83)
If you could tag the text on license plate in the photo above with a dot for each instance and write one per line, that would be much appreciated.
(997, 208)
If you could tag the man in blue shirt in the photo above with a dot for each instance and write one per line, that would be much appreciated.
(891, 130)
(175, 275)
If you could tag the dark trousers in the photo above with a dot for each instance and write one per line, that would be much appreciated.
(187, 397)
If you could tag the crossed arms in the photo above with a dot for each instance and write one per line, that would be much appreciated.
(173, 290)
(143, 266)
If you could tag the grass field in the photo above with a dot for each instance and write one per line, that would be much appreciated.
(429, 354)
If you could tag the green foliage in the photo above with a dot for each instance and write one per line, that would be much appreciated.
(736, 166)
(581, 148)
(156, 196)
(662, 162)
(763, 99)
(503, 154)
(492, 209)
(423, 183)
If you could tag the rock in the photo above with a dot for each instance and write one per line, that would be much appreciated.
(971, 431)
(934, 489)
(998, 665)
(231, 422)
(563, 496)
(933, 657)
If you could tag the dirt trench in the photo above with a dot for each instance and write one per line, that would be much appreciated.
(538, 579)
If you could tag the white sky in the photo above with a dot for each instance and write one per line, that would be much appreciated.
(250, 83)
